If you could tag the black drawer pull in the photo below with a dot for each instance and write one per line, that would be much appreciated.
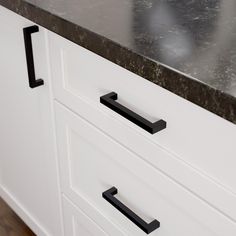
(109, 101)
(147, 228)
(29, 56)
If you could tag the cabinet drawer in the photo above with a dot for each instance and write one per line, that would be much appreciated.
(201, 144)
(91, 163)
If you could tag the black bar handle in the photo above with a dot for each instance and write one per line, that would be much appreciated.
(33, 82)
(109, 101)
(147, 228)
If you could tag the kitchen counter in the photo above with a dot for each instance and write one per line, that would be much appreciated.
(186, 47)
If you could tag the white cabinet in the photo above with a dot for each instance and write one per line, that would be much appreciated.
(187, 179)
(28, 168)
(188, 184)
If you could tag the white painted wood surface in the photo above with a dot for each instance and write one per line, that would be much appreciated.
(28, 167)
(91, 163)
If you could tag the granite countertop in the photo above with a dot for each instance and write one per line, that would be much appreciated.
(187, 46)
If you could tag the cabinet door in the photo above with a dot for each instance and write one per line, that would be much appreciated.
(28, 170)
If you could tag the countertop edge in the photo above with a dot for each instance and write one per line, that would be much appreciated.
(211, 99)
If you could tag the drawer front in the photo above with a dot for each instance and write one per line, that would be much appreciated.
(201, 144)
(77, 223)
(91, 163)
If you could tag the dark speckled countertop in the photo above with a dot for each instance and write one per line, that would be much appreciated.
(187, 46)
